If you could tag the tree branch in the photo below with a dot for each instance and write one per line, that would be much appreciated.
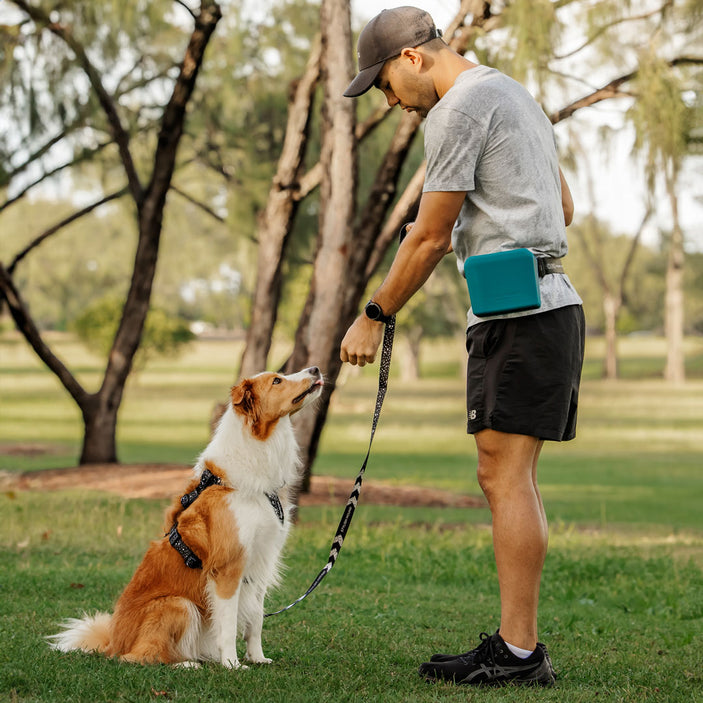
(25, 324)
(119, 134)
(76, 124)
(609, 90)
(40, 152)
(308, 182)
(363, 129)
(612, 89)
(85, 154)
(187, 9)
(174, 114)
(621, 20)
(61, 224)
(197, 203)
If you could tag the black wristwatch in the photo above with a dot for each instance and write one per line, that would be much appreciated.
(374, 312)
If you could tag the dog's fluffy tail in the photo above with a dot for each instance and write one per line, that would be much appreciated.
(91, 633)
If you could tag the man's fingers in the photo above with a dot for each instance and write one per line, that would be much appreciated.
(355, 360)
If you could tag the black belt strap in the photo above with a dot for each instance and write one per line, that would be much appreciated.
(354, 497)
(547, 265)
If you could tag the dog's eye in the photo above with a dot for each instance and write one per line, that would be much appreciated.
(276, 381)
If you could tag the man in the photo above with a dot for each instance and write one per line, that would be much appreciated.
(493, 183)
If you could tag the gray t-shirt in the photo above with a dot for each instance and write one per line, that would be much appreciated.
(489, 137)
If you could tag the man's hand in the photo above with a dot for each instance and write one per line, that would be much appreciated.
(361, 341)
(428, 241)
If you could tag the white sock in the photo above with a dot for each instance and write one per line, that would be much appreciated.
(519, 653)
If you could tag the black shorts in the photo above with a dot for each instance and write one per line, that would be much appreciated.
(523, 374)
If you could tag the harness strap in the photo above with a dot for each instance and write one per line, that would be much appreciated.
(190, 559)
(276, 505)
(207, 479)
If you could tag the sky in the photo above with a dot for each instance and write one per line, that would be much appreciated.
(617, 174)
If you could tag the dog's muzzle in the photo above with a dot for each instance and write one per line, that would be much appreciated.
(317, 383)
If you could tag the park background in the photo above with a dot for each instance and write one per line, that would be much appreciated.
(164, 229)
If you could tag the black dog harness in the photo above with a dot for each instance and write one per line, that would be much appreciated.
(207, 479)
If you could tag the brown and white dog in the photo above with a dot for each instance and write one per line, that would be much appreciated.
(206, 580)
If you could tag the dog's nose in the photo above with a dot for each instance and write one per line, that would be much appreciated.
(314, 371)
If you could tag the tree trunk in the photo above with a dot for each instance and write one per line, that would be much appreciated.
(99, 437)
(320, 343)
(101, 419)
(277, 221)
(410, 360)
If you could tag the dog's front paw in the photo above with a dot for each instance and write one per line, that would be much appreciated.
(233, 664)
(259, 660)
(187, 665)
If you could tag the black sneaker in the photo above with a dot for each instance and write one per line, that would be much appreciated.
(492, 663)
(543, 647)
(449, 657)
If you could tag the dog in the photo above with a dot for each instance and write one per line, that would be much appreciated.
(206, 580)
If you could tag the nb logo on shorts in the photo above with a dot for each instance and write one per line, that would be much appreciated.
(473, 414)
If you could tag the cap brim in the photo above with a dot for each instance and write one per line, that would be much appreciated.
(363, 81)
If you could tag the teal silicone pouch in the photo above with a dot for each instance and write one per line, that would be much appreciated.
(507, 281)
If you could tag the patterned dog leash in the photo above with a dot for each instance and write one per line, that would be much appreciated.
(350, 507)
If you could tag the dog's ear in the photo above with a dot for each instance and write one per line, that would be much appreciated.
(243, 398)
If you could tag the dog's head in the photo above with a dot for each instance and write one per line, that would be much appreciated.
(267, 397)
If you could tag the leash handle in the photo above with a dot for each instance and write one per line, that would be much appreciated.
(350, 507)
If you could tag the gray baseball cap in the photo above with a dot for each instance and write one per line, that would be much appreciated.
(384, 37)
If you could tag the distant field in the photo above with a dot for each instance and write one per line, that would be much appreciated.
(636, 459)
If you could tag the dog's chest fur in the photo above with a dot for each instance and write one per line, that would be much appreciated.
(256, 470)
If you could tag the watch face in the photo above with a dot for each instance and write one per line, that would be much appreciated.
(373, 311)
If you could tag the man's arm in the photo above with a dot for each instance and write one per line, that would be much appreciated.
(567, 202)
(427, 242)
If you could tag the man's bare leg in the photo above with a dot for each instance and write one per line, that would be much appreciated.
(507, 473)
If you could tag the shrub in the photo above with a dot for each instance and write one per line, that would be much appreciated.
(164, 334)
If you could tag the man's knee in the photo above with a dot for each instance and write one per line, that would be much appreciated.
(489, 479)
(490, 458)
(504, 461)
(488, 473)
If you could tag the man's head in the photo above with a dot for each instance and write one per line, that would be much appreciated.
(384, 38)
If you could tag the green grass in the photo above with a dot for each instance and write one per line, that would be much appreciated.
(621, 613)
(622, 594)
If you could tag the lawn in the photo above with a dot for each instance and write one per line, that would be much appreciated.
(622, 594)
